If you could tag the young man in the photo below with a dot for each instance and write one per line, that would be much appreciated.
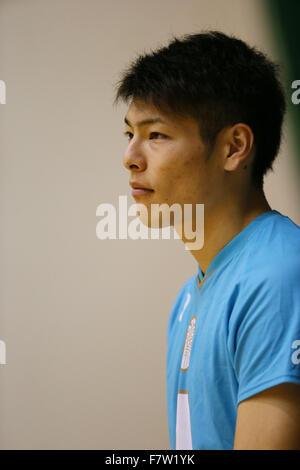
(204, 126)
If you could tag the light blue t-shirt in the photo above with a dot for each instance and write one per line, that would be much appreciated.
(234, 334)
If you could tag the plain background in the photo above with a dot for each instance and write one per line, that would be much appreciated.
(84, 320)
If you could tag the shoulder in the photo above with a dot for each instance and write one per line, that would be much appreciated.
(272, 255)
(267, 290)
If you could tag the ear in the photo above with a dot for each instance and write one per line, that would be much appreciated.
(239, 145)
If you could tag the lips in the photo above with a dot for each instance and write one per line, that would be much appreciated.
(136, 185)
(138, 189)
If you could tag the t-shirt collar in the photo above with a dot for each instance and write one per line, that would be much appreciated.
(235, 245)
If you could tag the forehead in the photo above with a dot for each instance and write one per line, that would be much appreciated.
(140, 111)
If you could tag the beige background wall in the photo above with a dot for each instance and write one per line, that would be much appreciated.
(84, 320)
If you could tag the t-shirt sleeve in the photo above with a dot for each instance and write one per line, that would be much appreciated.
(264, 330)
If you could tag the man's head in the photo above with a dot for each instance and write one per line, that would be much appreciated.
(224, 106)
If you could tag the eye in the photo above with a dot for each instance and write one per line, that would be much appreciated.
(128, 134)
(158, 133)
(155, 134)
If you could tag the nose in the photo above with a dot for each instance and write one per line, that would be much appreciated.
(133, 157)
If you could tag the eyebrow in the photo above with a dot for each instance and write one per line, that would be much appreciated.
(145, 121)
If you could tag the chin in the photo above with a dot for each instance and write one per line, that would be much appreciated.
(156, 217)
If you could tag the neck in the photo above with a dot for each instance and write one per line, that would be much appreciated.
(223, 222)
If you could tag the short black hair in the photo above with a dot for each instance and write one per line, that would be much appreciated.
(218, 80)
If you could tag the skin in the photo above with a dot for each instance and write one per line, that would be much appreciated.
(176, 167)
(270, 420)
(171, 158)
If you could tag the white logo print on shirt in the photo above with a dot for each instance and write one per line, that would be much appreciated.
(188, 344)
(188, 298)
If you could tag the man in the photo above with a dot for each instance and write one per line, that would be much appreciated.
(204, 127)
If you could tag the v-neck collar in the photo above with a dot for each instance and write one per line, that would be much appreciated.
(235, 245)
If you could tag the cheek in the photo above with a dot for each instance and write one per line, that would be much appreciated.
(180, 170)
(189, 171)
(185, 183)
(177, 162)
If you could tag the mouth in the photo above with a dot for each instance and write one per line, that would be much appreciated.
(141, 191)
